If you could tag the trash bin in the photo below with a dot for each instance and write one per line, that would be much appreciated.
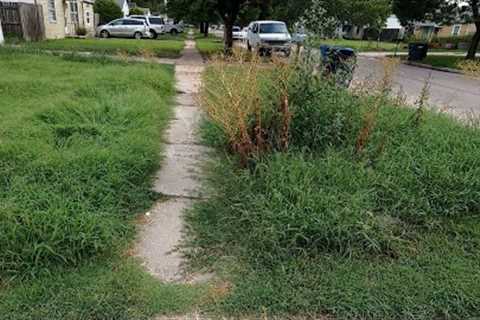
(417, 51)
(340, 52)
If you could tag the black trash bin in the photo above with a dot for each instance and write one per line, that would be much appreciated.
(417, 51)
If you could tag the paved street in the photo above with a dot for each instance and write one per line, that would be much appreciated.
(461, 95)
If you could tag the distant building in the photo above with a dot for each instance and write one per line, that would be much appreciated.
(392, 31)
(64, 17)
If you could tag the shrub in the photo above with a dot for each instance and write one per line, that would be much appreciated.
(136, 10)
(108, 10)
(81, 31)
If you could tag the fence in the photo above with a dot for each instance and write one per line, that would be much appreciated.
(22, 20)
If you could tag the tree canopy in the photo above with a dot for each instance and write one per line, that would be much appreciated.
(108, 10)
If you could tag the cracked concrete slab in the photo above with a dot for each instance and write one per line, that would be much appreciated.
(183, 128)
(181, 171)
(159, 238)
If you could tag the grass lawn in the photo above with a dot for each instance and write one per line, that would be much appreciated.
(209, 46)
(372, 213)
(79, 143)
(364, 45)
(444, 61)
(158, 48)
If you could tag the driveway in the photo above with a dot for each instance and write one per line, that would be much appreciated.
(456, 93)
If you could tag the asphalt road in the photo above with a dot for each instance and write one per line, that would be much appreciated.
(454, 93)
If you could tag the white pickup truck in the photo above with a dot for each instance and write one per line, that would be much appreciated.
(269, 36)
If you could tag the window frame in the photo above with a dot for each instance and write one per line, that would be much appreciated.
(456, 30)
(52, 11)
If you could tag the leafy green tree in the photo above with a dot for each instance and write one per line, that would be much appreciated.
(108, 10)
(207, 10)
(136, 10)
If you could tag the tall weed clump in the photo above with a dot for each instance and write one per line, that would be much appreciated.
(249, 102)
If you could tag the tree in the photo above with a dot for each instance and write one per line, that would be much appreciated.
(446, 11)
(200, 12)
(108, 10)
(136, 10)
(227, 10)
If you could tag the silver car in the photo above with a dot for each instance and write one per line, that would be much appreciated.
(156, 24)
(125, 28)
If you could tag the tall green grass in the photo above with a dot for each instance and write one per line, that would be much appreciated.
(79, 141)
(383, 229)
(168, 48)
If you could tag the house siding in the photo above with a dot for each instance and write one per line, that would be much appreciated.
(466, 29)
(54, 30)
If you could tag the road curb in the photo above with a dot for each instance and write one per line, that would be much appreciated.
(427, 66)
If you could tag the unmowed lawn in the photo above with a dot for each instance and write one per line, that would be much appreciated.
(360, 219)
(79, 142)
(170, 48)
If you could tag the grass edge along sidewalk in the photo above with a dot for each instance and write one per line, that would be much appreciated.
(80, 141)
(371, 214)
(132, 47)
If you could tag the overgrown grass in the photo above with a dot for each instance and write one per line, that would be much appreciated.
(79, 142)
(365, 45)
(75, 157)
(453, 62)
(118, 290)
(372, 214)
(209, 46)
(159, 48)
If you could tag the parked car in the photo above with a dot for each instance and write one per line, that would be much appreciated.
(156, 24)
(269, 36)
(173, 28)
(237, 33)
(244, 34)
(125, 28)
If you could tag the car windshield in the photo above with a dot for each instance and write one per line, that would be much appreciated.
(273, 28)
(236, 29)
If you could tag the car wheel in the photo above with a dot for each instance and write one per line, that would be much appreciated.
(104, 34)
(173, 32)
(154, 34)
(137, 35)
(249, 47)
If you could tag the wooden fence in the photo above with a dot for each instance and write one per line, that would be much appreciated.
(22, 20)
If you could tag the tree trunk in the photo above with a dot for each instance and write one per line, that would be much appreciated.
(228, 36)
(202, 30)
(205, 31)
(472, 51)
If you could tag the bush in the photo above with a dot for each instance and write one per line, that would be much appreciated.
(108, 10)
(136, 10)
(81, 31)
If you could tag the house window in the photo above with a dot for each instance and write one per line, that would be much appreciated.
(52, 14)
(74, 12)
(88, 17)
(456, 30)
